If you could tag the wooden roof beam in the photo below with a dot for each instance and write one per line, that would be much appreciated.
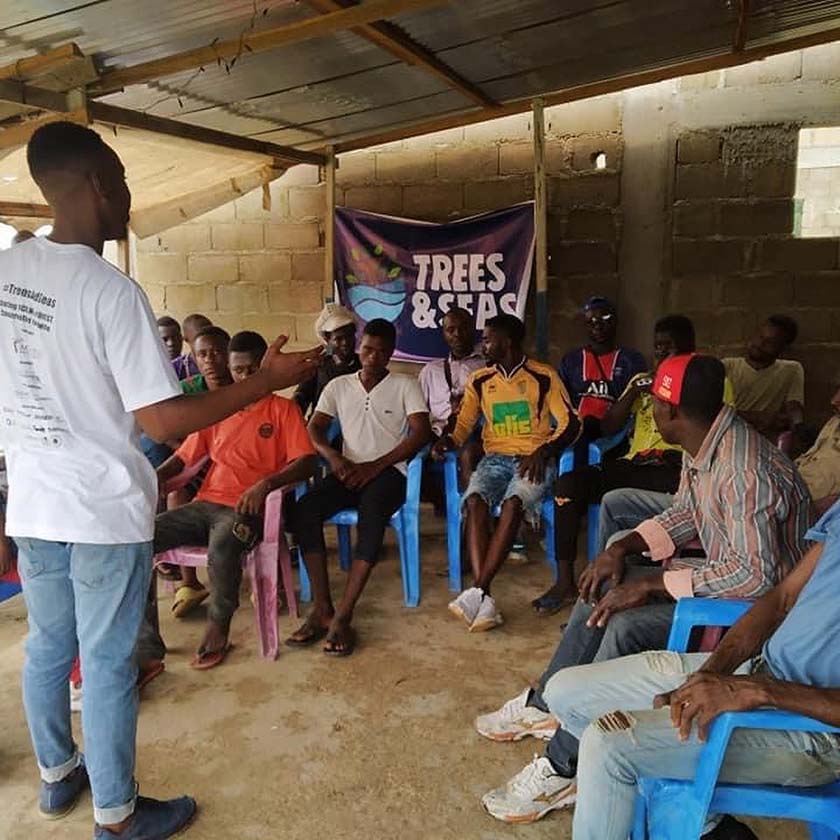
(17, 135)
(20, 210)
(269, 39)
(113, 115)
(390, 37)
(591, 89)
(41, 64)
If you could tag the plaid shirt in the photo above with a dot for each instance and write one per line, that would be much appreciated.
(744, 500)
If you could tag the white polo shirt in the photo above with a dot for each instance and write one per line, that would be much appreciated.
(372, 422)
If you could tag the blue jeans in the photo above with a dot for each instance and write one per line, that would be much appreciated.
(623, 510)
(87, 600)
(496, 479)
(616, 751)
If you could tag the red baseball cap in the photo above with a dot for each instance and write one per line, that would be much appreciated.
(670, 375)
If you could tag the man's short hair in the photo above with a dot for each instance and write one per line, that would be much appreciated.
(460, 313)
(786, 326)
(510, 325)
(213, 332)
(701, 398)
(248, 341)
(380, 328)
(197, 321)
(59, 146)
(680, 329)
(168, 321)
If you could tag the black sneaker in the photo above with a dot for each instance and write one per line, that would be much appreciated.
(154, 819)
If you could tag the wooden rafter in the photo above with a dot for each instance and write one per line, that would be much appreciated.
(112, 115)
(21, 210)
(41, 64)
(269, 39)
(17, 135)
(591, 89)
(740, 39)
(393, 39)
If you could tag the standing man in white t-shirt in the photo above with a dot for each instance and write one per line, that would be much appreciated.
(82, 371)
(384, 422)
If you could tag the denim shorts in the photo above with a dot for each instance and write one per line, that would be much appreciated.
(496, 479)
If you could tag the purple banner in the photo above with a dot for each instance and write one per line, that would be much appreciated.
(411, 273)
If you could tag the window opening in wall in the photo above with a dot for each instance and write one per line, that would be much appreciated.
(599, 160)
(817, 197)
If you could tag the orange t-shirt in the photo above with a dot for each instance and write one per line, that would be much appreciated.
(250, 445)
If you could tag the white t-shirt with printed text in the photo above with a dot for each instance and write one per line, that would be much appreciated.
(79, 351)
(372, 422)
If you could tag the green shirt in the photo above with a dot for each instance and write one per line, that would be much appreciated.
(194, 384)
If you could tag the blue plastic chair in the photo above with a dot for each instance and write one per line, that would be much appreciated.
(406, 525)
(565, 464)
(9, 590)
(667, 809)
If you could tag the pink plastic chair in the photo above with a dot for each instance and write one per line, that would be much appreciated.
(261, 564)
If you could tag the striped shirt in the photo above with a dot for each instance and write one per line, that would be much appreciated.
(743, 498)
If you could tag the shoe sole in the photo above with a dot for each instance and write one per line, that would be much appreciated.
(519, 819)
(486, 624)
(60, 815)
(459, 613)
(519, 735)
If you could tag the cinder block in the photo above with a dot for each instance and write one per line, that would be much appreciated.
(249, 208)
(516, 158)
(281, 298)
(436, 202)
(694, 292)
(308, 267)
(242, 297)
(699, 147)
(437, 139)
(300, 175)
(602, 189)
(239, 236)
(717, 328)
(756, 218)
(777, 68)
(584, 258)
(821, 63)
(269, 326)
(819, 288)
(701, 81)
(710, 180)
(581, 287)
(162, 269)
(501, 130)
(191, 298)
(814, 325)
(157, 295)
(224, 213)
(265, 268)
(308, 297)
(307, 202)
(356, 168)
(212, 268)
(696, 218)
(593, 223)
(149, 245)
(186, 239)
(798, 255)
(379, 199)
(459, 163)
(771, 288)
(497, 193)
(776, 178)
(405, 166)
(603, 113)
(586, 148)
(292, 235)
(708, 256)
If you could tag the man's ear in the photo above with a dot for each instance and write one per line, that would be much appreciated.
(98, 186)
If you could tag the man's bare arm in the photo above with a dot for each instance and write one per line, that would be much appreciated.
(179, 416)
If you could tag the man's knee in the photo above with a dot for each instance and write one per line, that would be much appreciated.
(513, 504)
(567, 691)
(476, 503)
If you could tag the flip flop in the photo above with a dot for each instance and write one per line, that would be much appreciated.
(207, 659)
(145, 677)
(187, 599)
(550, 604)
(316, 634)
(348, 648)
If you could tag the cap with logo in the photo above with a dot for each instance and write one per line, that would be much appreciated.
(670, 375)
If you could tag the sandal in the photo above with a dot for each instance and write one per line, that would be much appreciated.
(206, 659)
(551, 604)
(347, 647)
(155, 669)
(187, 599)
(310, 634)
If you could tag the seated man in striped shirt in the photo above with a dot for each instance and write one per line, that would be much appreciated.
(749, 508)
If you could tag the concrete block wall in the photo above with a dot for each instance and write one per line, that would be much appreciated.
(251, 264)
(734, 257)
(460, 172)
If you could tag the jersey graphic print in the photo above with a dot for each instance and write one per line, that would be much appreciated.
(512, 418)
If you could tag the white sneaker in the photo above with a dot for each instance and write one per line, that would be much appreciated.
(531, 794)
(487, 616)
(466, 605)
(516, 720)
(75, 698)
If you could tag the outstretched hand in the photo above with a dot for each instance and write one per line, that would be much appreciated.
(287, 369)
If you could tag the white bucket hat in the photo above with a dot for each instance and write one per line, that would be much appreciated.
(333, 317)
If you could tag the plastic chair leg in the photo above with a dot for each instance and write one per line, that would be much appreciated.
(305, 585)
(592, 516)
(640, 819)
(262, 566)
(344, 547)
(409, 544)
(550, 545)
(822, 832)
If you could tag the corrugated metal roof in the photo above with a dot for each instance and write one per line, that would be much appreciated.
(332, 87)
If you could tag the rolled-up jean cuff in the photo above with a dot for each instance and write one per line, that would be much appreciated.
(51, 775)
(111, 816)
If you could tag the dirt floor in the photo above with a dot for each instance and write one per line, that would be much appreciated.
(378, 746)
